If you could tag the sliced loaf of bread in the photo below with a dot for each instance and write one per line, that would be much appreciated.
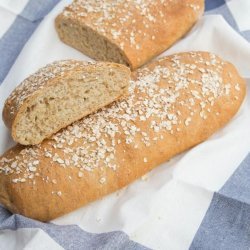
(59, 94)
(130, 32)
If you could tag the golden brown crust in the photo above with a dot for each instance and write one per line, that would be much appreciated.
(174, 104)
(41, 80)
(140, 31)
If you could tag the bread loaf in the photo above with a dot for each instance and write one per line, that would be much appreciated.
(59, 94)
(174, 103)
(129, 32)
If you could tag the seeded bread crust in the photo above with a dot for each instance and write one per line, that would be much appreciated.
(174, 103)
(56, 74)
(129, 32)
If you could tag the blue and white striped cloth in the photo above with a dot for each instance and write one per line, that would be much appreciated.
(198, 200)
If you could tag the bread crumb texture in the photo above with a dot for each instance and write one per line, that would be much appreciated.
(59, 94)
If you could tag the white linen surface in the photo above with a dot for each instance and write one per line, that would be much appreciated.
(165, 210)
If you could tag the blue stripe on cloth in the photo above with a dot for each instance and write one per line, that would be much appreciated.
(226, 224)
(20, 31)
(246, 34)
(70, 236)
(212, 4)
(238, 185)
(37, 9)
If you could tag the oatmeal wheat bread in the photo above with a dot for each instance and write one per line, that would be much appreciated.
(130, 32)
(174, 103)
(59, 94)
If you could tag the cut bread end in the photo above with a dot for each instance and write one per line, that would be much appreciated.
(89, 42)
(68, 99)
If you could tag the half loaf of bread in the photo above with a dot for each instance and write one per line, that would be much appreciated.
(59, 94)
(174, 103)
(130, 32)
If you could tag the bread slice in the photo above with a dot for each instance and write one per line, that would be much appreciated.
(129, 32)
(59, 94)
(173, 104)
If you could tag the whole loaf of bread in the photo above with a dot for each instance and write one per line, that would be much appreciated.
(174, 103)
(130, 32)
